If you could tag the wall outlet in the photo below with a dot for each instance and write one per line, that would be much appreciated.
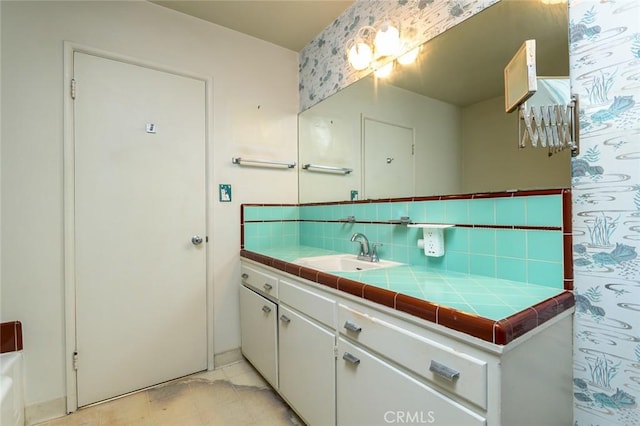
(433, 238)
(434, 242)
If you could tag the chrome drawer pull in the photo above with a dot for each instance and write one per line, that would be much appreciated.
(245, 276)
(266, 309)
(350, 358)
(352, 326)
(285, 318)
(267, 286)
(444, 371)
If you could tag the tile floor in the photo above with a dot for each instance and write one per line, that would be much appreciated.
(234, 395)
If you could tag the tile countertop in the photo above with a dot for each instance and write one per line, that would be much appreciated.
(495, 310)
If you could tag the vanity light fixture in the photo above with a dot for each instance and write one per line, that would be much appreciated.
(387, 40)
(379, 49)
(360, 48)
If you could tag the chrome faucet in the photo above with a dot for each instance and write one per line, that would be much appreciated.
(367, 252)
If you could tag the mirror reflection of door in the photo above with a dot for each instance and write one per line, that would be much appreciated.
(387, 151)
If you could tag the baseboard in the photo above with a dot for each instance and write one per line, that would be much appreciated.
(43, 411)
(226, 358)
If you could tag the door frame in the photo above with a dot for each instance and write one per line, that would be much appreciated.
(69, 205)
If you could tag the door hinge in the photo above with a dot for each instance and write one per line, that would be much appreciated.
(75, 361)
(73, 88)
(335, 352)
(413, 149)
(206, 239)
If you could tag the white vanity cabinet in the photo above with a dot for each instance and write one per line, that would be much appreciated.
(306, 345)
(307, 365)
(258, 328)
(338, 359)
(371, 391)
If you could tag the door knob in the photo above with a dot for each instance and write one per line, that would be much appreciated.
(196, 240)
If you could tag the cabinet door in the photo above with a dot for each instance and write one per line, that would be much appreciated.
(258, 328)
(307, 368)
(372, 392)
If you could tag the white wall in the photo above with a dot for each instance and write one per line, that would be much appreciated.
(246, 73)
(492, 161)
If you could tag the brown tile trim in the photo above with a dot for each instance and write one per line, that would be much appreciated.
(279, 220)
(464, 322)
(417, 307)
(498, 332)
(279, 264)
(512, 227)
(267, 205)
(516, 325)
(567, 256)
(456, 197)
(11, 336)
(567, 215)
(457, 225)
(565, 300)
(427, 198)
(567, 230)
(292, 268)
(309, 274)
(265, 260)
(350, 286)
(500, 194)
(502, 332)
(546, 310)
(327, 280)
(568, 285)
(380, 295)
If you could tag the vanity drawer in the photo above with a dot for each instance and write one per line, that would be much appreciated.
(450, 369)
(312, 304)
(260, 280)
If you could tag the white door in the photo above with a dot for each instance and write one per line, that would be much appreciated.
(388, 160)
(139, 198)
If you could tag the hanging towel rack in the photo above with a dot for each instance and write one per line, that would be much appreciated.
(319, 167)
(239, 161)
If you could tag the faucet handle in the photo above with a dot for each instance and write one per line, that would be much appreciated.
(374, 252)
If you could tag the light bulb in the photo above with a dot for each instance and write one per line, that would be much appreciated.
(360, 56)
(384, 71)
(387, 41)
(409, 57)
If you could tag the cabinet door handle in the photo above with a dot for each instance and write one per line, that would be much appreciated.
(351, 358)
(266, 309)
(444, 371)
(285, 318)
(267, 286)
(352, 326)
(245, 276)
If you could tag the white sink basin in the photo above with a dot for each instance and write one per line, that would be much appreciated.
(342, 263)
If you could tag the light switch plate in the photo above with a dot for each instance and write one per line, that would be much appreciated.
(225, 193)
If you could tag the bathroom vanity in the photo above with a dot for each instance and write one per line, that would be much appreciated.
(341, 352)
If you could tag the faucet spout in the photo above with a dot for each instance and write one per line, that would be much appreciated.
(364, 244)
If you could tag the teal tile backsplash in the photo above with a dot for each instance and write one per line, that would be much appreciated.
(515, 236)
(544, 210)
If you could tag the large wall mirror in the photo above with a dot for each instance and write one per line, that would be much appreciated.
(438, 126)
